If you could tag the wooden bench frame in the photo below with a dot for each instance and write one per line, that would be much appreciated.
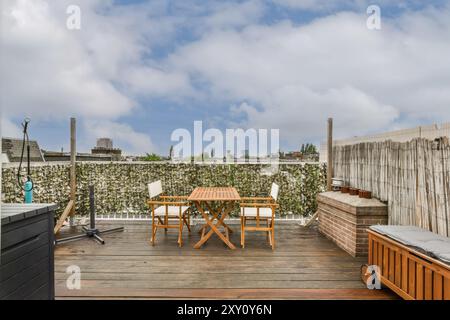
(409, 273)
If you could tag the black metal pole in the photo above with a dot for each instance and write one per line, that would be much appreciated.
(28, 159)
(90, 232)
(92, 206)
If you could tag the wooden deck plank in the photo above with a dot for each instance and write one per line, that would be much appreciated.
(217, 283)
(348, 276)
(298, 294)
(305, 265)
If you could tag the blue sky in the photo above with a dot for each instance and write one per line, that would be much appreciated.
(137, 70)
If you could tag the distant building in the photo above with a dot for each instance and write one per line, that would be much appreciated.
(105, 147)
(4, 158)
(104, 143)
(299, 156)
(104, 151)
(291, 156)
(131, 158)
(12, 150)
(53, 156)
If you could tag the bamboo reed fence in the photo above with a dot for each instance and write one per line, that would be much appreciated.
(430, 132)
(412, 177)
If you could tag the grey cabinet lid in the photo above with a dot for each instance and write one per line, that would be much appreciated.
(11, 212)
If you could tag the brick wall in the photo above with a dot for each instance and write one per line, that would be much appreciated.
(344, 219)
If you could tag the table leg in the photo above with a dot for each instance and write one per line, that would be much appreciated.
(216, 215)
(214, 228)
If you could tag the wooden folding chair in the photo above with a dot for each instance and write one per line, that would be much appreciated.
(168, 208)
(260, 210)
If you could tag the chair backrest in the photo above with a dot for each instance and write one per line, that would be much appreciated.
(155, 189)
(274, 191)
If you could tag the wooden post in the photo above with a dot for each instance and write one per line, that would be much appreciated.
(330, 154)
(73, 158)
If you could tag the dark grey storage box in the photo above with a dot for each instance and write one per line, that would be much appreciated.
(27, 258)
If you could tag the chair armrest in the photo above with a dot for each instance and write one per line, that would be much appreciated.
(255, 199)
(259, 205)
(168, 203)
(175, 197)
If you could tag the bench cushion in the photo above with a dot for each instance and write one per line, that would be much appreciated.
(429, 243)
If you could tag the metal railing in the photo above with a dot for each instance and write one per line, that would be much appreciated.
(294, 218)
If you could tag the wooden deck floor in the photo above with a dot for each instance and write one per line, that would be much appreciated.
(305, 265)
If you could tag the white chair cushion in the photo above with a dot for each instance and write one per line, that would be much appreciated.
(251, 212)
(172, 210)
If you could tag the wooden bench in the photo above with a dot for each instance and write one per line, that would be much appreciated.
(408, 272)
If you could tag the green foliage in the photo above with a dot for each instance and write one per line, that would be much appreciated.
(309, 148)
(152, 157)
(122, 187)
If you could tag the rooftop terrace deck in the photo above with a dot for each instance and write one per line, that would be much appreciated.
(305, 265)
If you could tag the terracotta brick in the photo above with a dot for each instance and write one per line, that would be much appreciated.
(345, 223)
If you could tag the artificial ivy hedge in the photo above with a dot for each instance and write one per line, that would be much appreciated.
(122, 187)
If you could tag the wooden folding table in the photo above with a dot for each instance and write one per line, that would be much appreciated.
(226, 198)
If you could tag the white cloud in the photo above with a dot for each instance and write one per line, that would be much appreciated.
(52, 73)
(232, 15)
(297, 76)
(315, 5)
(150, 81)
(98, 72)
(283, 75)
(300, 113)
(123, 135)
(9, 129)
(330, 5)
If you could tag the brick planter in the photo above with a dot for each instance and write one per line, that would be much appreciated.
(344, 219)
